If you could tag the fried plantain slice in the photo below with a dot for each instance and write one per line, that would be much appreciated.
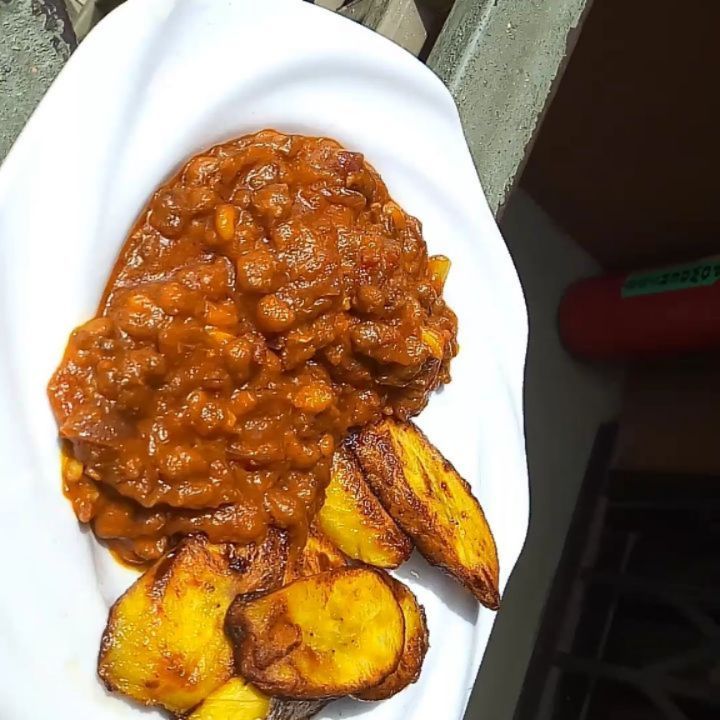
(431, 502)
(239, 700)
(318, 555)
(235, 700)
(164, 642)
(415, 646)
(332, 634)
(353, 518)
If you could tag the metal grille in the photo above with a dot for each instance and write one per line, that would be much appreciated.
(632, 626)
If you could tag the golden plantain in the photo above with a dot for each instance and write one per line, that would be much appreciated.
(431, 502)
(164, 642)
(323, 636)
(318, 555)
(235, 700)
(353, 518)
(238, 700)
(415, 646)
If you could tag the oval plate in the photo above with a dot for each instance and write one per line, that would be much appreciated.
(155, 82)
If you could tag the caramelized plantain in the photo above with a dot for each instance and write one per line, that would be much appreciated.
(415, 646)
(238, 700)
(332, 634)
(164, 642)
(431, 502)
(318, 555)
(353, 518)
(235, 700)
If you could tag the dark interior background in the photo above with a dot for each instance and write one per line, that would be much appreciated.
(626, 162)
(627, 157)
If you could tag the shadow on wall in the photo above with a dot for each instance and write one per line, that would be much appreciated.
(565, 402)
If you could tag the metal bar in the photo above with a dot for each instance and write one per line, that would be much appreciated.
(707, 652)
(565, 597)
(607, 625)
(639, 679)
(675, 594)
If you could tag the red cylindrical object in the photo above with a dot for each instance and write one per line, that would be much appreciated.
(659, 312)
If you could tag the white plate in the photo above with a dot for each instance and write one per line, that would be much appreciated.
(156, 82)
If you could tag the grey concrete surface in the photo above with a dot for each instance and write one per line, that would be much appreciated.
(565, 402)
(35, 42)
(501, 60)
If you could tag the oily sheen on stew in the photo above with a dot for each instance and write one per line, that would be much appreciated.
(270, 297)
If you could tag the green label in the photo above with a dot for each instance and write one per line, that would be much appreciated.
(678, 277)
